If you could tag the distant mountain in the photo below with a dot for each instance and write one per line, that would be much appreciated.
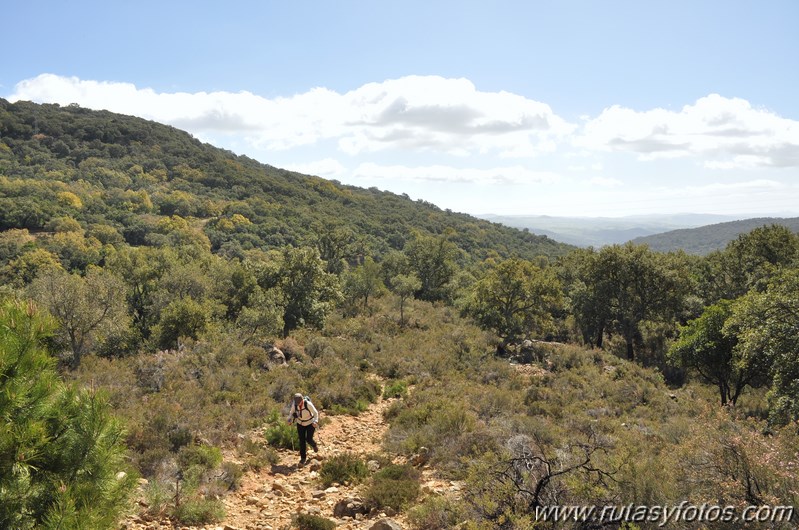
(600, 231)
(705, 239)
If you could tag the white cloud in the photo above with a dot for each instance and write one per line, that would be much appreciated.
(726, 132)
(605, 182)
(418, 113)
(413, 120)
(440, 173)
(327, 168)
(596, 166)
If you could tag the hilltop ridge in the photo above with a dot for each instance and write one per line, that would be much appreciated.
(128, 173)
(705, 239)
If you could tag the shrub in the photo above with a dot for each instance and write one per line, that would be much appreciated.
(157, 495)
(395, 389)
(199, 511)
(436, 513)
(291, 349)
(341, 389)
(256, 456)
(352, 409)
(305, 521)
(567, 358)
(342, 468)
(204, 456)
(319, 346)
(230, 476)
(122, 343)
(394, 486)
(280, 434)
(149, 461)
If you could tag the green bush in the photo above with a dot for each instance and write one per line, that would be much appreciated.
(256, 456)
(205, 456)
(157, 495)
(342, 468)
(436, 513)
(305, 521)
(280, 434)
(394, 486)
(395, 389)
(339, 388)
(199, 511)
(351, 409)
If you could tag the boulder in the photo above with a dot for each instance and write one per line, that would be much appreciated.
(276, 356)
(386, 524)
(349, 507)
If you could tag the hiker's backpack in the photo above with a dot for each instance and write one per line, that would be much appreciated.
(306, 402)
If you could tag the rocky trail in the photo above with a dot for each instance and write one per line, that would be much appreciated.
(267, 500)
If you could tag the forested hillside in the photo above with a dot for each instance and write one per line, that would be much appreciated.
(120, 176)
(163, 300)
(706, 239)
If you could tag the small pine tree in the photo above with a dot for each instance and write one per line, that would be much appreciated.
(61, 452)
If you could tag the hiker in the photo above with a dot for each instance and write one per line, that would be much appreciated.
(305, 415)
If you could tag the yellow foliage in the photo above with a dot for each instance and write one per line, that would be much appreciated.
(172, 224)
(238, 219)
(225, 225)
(67, 198)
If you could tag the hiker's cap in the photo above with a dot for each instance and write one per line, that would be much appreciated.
(297, 396)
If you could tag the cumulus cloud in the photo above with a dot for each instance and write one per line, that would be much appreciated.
(726, 132)
(420, 113)
(215, 111)
(440, 173)
(436, 115)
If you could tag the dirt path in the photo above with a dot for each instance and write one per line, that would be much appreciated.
(267, 500)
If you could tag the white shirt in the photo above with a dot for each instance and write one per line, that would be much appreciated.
(305, 415)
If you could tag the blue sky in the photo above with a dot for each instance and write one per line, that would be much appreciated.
(559, 108)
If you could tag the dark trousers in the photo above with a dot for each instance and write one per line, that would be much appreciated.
(306, 437)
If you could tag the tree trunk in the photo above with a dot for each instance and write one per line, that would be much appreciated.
(77, 347)
(738, 389)
(630, 350)
(501, 349)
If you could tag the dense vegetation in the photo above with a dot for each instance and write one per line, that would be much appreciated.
(169, 269)
(121, 177)
(706, 239)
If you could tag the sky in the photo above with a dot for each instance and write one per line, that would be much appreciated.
(561, 108)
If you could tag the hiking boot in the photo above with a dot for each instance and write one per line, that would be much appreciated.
(302, 462)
